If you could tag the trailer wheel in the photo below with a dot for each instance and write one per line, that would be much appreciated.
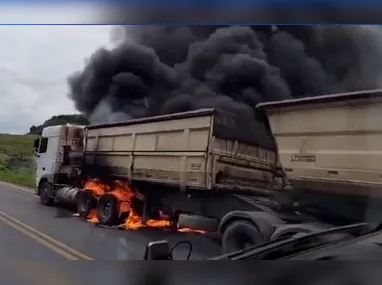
(45, 189)
(86, 201)
(198, 222)
(107, 210)
(239, 235)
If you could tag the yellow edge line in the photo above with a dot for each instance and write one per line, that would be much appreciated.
(39, 240)
(44, 239)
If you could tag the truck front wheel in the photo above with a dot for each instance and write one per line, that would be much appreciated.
(239, 235)
(45, 194)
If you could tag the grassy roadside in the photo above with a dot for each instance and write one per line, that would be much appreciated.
(17, 164)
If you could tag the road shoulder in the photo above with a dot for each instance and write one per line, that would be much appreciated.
(17, 187)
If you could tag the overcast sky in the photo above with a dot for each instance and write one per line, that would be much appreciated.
(34, 64)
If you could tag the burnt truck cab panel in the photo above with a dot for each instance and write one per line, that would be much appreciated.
(53, 149)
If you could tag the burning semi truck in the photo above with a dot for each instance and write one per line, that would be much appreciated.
(312, 164)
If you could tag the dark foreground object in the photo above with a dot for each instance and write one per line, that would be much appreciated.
(203, 273)
(351, 242)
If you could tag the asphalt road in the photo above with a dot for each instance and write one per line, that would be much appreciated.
(31, 231)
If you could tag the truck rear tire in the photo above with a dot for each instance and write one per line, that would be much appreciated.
(45, 190)
(239, 235)
(107, 210)
(198, 222)
(86, 201)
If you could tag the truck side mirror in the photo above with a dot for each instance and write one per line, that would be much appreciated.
(35, 152)
(158, 250)
(36, 145)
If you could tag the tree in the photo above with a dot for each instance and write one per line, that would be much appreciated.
(75, 119)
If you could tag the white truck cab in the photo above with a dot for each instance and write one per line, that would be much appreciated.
(50, 150)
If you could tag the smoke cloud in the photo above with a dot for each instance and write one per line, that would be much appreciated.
(160, 70)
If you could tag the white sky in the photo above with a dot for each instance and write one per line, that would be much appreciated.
(35, 61)
(34, 64)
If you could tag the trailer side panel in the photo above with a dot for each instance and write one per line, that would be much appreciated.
(187, 151)
(331, 143)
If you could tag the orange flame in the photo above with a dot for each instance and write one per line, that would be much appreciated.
(92, 217)
(134, 222)
(125, 193)
(96, 186)
(188, 230)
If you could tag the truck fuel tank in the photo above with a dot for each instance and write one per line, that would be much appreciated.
(68, 195)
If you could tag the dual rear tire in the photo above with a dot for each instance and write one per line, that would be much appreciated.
(107, 210)
(107, 207)
(86, 201)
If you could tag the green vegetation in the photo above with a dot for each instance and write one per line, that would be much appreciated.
(17, 162)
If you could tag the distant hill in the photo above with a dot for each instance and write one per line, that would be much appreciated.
(75, 119)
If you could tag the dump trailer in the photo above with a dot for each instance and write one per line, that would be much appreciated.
(205, 170)
(203, 150)
(331, 150)
(307, 165)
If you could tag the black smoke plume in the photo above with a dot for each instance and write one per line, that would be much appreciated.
(159, 70)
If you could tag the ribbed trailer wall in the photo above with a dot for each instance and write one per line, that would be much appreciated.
(331, 143)
(201, 149)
